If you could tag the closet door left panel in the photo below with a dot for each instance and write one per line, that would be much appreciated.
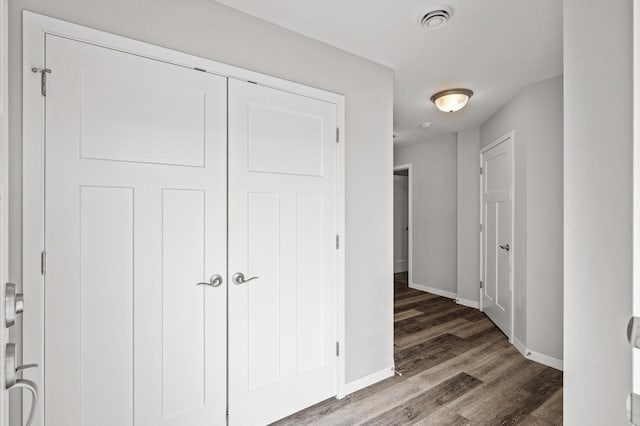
(135, 219)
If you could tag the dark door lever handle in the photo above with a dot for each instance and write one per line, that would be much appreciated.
(505, 247)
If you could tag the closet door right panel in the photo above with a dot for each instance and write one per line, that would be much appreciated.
(282, 239)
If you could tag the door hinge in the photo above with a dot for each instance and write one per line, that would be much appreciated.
(481, 284)
(337, 135)
(337, 242)
(481, 170)
(481, 228)
(337, 348)
(43, 263)
(43, 78)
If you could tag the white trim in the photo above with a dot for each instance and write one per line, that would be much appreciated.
(48, 25)
(538, 357)
(468, 302)
(369, 380)
(32, 205)
(35, 27)
(432, 290)
(520, 346)
(4, 198)
(341, 268)
(408, 168)
(510, 136)
(547, 360)
(636, 186)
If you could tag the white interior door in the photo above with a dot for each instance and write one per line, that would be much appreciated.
(497, 243)
(135, 218)
(282, 230)
(400, 223)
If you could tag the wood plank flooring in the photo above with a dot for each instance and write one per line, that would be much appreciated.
(457, 369)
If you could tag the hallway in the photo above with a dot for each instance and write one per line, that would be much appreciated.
(457, 369)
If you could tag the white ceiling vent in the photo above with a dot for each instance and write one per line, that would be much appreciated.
(436, 16)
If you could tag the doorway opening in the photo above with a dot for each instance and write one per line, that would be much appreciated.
(402, 223)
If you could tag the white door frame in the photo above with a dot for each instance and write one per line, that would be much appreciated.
(636, 188)
(508, 136)
(410, 218)
(4, 200)
(35, 27)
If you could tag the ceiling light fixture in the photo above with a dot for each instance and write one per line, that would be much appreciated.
(452, 100)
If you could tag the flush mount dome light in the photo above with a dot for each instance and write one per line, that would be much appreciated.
(452, 100)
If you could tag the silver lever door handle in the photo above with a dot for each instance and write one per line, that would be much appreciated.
(12, 382)
(238, 278)
(505, 247)
(214, 281)
(33, 388)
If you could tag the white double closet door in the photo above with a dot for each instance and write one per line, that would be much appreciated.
(143, 201)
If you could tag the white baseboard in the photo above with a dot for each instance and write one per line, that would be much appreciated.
(468, 302)
(369, 380)
(543, 359)
(547, 360)
(432, 290)
(520, 347)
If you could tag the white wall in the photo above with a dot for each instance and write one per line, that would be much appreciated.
(468, 215)
(598, 211)
(545, 217)
(207, 29)
(536, 115)
(434, 197)
(400, 224)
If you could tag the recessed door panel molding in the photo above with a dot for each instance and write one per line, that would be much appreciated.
(290, 246)
(131, 337)
(497, 236)
(139, 118)
(490, 250)
(310, 302)
(106, 233)
(503, 294)
(284, 140)
(263, 299)
(183, 264)
(496, 167)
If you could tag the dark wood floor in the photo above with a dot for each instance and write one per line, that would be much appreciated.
(457, 369)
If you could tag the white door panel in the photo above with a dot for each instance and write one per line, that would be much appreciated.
(497, 242)
(282, 228)
(135, 218)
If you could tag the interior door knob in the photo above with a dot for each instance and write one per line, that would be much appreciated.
(11, 380)
(505, 247)
(238, 278)
(13, 304)
(215, 281)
